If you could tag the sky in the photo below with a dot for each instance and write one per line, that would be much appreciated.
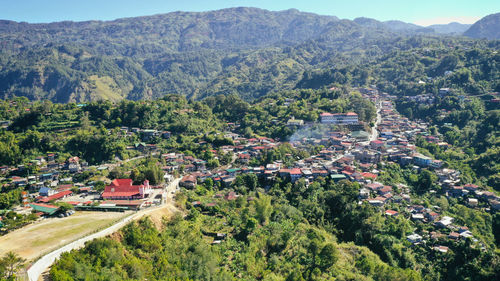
(422, 12)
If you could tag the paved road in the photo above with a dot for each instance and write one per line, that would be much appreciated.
(374, 133)
(41, 265)
(374, 129)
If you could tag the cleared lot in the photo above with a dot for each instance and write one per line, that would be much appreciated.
(44, 236)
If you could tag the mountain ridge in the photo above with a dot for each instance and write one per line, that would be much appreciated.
(487, 27)
(248, 51)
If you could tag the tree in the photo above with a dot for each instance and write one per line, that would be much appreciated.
(263, 208)
(99, 186)
(328, 256)
(85, 121)
(11, 263)
(64, 207)
(153, 173)
(426, 180)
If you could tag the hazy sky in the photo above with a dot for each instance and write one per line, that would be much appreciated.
(423, 12)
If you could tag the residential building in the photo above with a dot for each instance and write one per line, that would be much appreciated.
(349, 118)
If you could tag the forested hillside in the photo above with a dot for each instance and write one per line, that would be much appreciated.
(246, 51)
(486, 27)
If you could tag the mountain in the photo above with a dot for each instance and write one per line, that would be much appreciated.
(400, 25)
(450, 28)
(397, 26)
(247, 51)
(487, 27)
(235, 28)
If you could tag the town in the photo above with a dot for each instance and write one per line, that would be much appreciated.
(346, 149)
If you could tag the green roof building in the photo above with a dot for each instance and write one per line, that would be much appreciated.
(44, 208)
(360, 135)
(338, 177)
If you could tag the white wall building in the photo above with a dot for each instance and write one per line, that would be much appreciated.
(349, 118)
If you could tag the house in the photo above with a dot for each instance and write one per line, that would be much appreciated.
(472, 202)
(374, 186)
(471, 187)
(376, 144)
(370, 176)
(436, 164)
(124, 189)
(417, 217)
(73, 167)
(431, 216)
(295, 122)
(360, 135)
(421, 160)
(445, 221)
(414, 238)
(364, 193)
(366, 156)
(444, 91)
(495, 204)
(391, 213)
(244, 158)
(129, 204)
(442, 249)
(188, 181)
(56, 196)
(456, 191)
(46, 191)
(454, 236)
(384, 190)
(294, 174)
(140, 146)
(51, 156)
(465, 233)
(18, 181)
(377, 201)
(231, 196)
(149, 134)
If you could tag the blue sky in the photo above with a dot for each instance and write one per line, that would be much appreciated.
(423, 12)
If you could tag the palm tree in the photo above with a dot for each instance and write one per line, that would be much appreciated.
(11, 262)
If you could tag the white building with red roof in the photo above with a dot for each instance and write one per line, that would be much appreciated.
(124, 189)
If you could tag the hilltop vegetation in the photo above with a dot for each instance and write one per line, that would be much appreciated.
(274, 244)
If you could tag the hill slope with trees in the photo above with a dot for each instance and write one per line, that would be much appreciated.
(487, 27)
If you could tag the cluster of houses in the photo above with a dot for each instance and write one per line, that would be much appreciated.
(346, 157)
(49, 171)
(445, 229)
(243, 150)
(56, 181)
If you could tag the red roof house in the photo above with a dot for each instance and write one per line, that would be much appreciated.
(56, 196)
(123, 189)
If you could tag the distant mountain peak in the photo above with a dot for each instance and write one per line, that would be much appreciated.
(450, 28)
(487, 27)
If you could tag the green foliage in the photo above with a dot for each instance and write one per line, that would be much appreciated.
(263, 208)
(10, 264)
(10, 198)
